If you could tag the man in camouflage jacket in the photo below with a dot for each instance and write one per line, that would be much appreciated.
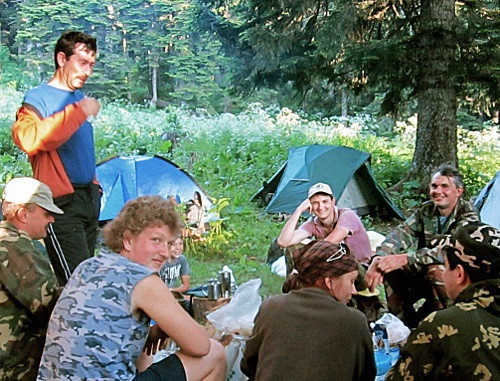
(413, 280)
(460, 342)
(28, 286)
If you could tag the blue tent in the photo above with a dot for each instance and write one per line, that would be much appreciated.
(345, 169)
(488, 202)
(124, 178)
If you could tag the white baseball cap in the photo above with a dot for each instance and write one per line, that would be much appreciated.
(27, 190)
(319, 188)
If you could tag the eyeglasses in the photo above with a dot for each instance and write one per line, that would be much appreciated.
(338, 254)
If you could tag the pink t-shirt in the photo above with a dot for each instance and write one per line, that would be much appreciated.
(357, 239)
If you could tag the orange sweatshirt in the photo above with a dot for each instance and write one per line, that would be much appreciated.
(40, 138)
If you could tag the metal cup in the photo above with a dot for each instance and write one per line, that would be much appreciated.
(214, 290)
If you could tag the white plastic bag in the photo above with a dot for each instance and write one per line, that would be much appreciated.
(397, 332)
(237, 316)
(279, 267)
(234, 354)
(376, 239)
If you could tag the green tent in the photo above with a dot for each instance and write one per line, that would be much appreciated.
(345, 169)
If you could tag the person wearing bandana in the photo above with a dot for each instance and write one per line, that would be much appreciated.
(309, 333)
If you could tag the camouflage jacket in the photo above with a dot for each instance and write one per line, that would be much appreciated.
(458, 343)
(28, 292)
(422, 229)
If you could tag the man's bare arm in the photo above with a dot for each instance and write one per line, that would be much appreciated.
(338, 234)
(289, 236)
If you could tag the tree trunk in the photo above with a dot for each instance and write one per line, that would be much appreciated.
(154, 81)
(345, 98)
(436, 141)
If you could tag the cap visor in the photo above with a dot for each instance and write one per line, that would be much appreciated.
(51, 208)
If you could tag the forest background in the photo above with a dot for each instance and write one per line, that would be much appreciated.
(224, 88)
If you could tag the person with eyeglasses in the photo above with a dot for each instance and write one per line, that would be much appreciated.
(309, 333)
(460, 342)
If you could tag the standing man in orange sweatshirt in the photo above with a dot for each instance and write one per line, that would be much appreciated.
(52, 128)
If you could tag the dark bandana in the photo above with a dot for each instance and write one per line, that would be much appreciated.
(323, 259)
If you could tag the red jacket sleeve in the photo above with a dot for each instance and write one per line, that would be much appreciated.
(33, 134)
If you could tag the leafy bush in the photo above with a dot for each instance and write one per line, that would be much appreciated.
(13, 162)
(479, 156)
(11, 76)
(230, 155)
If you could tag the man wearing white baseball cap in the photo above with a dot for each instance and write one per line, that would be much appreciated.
(329, 223)
(27, 190)
(28, 285)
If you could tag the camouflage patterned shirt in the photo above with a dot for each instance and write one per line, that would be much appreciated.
(461, 342)
(93, 333)
(28, 292)
(421, 230)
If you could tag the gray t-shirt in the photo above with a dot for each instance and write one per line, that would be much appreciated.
(170, 272)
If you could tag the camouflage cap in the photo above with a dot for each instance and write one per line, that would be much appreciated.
(477, 246)
(27, 190)
(319, 188)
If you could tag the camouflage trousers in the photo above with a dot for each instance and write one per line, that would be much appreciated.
(412, 295)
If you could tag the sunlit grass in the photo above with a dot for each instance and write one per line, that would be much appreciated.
(230, 155)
